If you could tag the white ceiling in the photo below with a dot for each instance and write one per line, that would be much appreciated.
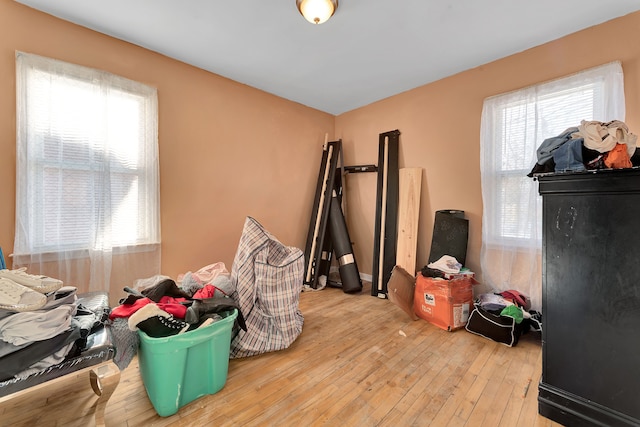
(369, 50)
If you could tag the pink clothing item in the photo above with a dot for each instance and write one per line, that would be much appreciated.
(208, 291)
(206, 274)
(169, 304)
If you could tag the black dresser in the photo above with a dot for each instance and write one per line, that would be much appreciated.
(591, 298)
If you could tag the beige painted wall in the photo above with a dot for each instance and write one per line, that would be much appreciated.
(227, 150)
(440, 128)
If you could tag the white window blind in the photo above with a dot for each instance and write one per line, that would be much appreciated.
(557, 112)
(87, 162)
(512, 128)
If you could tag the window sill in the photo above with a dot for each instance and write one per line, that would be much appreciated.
(80, 253)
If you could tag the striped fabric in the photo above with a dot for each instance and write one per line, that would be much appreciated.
(267, 277)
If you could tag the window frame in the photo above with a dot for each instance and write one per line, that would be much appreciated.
(33, 160)
(598, 79)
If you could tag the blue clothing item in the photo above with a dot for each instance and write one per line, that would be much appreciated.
(549, 145)
(568, 156)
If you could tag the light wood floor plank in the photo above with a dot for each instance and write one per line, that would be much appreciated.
(360, 361)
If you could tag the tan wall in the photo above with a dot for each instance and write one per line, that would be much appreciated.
(440, 128)
(226, 150)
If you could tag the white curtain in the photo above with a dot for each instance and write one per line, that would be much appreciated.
(513, 126)
(87, 179)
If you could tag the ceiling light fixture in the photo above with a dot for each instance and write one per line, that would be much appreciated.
(317, 11)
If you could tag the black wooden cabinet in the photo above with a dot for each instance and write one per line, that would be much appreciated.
(591, 298)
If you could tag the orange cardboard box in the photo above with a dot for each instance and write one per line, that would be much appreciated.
(445, 303)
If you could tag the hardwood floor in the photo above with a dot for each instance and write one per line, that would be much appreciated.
(360, 361)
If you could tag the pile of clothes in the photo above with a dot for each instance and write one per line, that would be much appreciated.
(163, 308)
(513, 304)
(592, 145)
(447, 267)
(503, 317)
(41, 323)
(264, 285)
(160, 307)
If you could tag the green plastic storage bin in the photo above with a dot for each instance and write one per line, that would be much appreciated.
(179, 369)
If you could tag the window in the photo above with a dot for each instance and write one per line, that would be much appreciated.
(87, 161)
(512, 128)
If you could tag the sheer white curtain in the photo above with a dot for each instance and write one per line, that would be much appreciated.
(87, 180)
(513, 126)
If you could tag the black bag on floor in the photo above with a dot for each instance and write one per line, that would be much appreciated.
(502, 329)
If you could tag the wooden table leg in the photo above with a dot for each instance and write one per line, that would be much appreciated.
(104, 379)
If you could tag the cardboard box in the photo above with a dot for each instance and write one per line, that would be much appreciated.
(444, 303)
(401, 289)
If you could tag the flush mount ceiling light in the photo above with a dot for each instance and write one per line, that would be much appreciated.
(317, 11)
